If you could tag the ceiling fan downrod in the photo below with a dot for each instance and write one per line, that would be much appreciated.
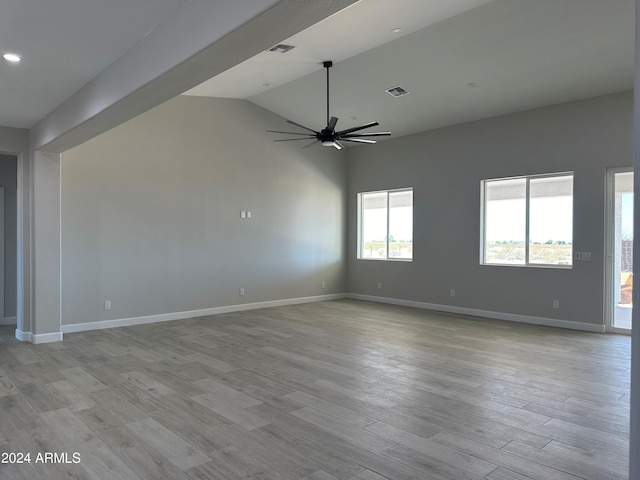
(327, 65)
(328, 136)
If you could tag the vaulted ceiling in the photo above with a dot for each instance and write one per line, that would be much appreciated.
(460, 59)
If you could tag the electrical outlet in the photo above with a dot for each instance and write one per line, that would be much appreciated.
(242, 292)
(556, 303)
(379, 285)
(248, 213)
(243, 214)
(324, 285)
(107, 304)
(452, 293)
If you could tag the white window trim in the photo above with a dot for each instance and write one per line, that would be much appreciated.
(359, 223)
(483, 221)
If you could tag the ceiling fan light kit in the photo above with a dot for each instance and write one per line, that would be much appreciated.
(328, 136)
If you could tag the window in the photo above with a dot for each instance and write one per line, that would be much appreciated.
(385, 225)
(528, 220)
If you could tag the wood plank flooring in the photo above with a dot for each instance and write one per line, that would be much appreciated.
(343, 390)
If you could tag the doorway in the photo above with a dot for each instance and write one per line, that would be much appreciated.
(8, 243)
(619, 280)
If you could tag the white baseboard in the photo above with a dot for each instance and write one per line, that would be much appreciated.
(8, 321)
(46, 337)
(23, 336)
(165, 317)
(512, 317)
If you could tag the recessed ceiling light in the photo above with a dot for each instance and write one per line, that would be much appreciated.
(396, 30)
(12, 57)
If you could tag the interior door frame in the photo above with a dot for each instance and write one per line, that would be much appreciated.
(609, 246)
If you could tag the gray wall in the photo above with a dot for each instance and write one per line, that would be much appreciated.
(16, 141)
(152, 207)
(445, 168)
(8, 176)
(151, 214)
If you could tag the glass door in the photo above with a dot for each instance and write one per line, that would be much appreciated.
(620, 249)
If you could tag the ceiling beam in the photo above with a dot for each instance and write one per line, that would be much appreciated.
(202, 40)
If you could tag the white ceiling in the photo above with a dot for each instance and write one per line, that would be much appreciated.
(360, 27)
(64, 44)
(516, 54)
(520, 54)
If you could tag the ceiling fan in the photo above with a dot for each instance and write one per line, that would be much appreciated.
(328, 136)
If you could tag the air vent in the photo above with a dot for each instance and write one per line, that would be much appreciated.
(282, 48)
(397, 91)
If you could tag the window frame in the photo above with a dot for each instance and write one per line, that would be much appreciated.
(527, 242)
(387, 258)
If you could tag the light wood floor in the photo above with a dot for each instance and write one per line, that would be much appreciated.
(333, 390)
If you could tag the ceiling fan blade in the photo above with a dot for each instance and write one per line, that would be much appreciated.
(328, 135)
(293, 139)
(290, 133)
(372, 134)
(357, 140)
(301, 126)
(355, 129)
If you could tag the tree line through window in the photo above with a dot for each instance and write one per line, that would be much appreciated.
(525, 220)
(385, 225)
(528, 220)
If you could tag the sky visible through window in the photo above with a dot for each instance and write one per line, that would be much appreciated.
(375, 224)
(385, 225)
(528, 220)
(626, 227)
(547, 225)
